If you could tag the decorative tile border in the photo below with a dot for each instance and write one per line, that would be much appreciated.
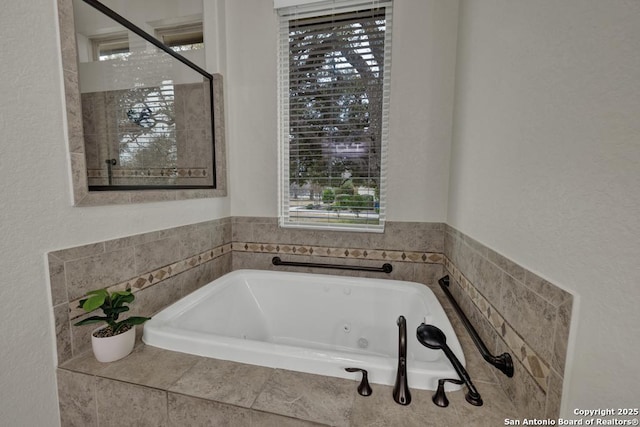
(150, 173)
(349, 253)
(533, 363)
(146, 280)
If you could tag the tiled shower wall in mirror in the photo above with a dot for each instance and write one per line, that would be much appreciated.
(154, 135)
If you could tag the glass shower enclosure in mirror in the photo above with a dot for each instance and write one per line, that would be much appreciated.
(147, 103)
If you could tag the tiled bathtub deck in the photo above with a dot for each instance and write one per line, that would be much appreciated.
(155, 387)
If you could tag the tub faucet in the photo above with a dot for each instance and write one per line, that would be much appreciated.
(432, 337)
(401, 392)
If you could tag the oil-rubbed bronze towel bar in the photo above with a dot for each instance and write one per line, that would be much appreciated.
(502, 362)
(386, 268)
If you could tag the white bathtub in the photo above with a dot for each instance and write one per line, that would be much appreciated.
(312, 323)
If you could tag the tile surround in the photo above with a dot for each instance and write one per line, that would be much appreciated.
(171, 263)
(287, 393)
(528, 317)
(159, 267)
(203, 391)
(518, 348)
(143, 406)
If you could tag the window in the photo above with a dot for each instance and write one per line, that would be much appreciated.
(183, 37)
(112, 46)
(334, 89)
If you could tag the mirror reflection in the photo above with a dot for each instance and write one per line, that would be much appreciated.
(147, 116)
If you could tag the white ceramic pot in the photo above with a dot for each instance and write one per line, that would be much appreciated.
(110, 349)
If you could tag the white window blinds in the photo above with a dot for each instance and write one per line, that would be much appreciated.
(334, 93)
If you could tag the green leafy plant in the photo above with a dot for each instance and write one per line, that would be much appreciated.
(328, 195)
(112, 305)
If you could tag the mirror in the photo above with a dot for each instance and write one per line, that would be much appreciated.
(143, 113)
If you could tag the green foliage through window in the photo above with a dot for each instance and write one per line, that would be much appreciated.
(335, 115)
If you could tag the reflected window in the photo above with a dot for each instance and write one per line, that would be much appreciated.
(113, 46)
(183, 37)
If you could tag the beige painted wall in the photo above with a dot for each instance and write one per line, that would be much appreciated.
(545, 167)
(423, 61)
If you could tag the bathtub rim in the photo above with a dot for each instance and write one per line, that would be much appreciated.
(235, 349)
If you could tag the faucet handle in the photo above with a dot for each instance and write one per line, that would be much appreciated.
(364, 389)
(439, 397)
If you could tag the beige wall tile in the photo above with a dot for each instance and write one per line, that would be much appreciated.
(151, 367)
(308, 397)
(74, 110)
(412, 236)
(149, 256)
(195, 278)
(199, 152)
(152, 196)
(139, 406)
(129, 241)
(226, 382)
(193, 104)
(81, 335)
(194, 240)
(63, 333)
(429, 274)
(482, 326)
(563, 323)
(492, 413)
(78, 252)
(67, 35)
(264, 419)
(242, 260)
(527, 396)
(221, 233)
(98, 271)
(554, 396)
(551, 293)
(488, 280)
(479, 370)
(57, 280)
(508, 266)
(191, 411)
(76, 398)
(242, 227)
(475, 245)
(154, 298)
(86, 363)
(531, 316)
(380, 410)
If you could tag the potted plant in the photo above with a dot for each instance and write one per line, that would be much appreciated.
(115, 340)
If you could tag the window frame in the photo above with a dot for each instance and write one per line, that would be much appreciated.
(184, 29)
(112, 42)
(319, 10)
